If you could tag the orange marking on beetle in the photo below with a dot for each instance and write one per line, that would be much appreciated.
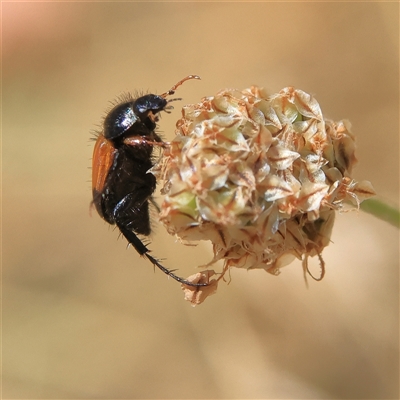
(103, 157)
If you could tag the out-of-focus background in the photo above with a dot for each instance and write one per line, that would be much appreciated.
(83, 317)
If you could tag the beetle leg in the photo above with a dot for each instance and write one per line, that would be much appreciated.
(123, 213)
(138, 140)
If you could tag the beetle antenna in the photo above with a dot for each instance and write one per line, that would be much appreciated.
(172, 90)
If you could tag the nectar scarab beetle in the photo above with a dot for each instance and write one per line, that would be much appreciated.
(122, 187)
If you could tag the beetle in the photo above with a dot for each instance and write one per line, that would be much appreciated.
(122, 156)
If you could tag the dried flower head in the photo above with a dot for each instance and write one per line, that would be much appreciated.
(260, 177)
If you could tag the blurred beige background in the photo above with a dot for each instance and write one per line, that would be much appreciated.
(85, 318)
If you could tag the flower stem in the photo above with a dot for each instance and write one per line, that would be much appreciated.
(382, 211)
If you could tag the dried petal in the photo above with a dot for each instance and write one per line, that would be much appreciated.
(307, 105)
(363, 190)
(275, 188)
(311, 195)
(344, 153)
(280, 157)
(197, 294)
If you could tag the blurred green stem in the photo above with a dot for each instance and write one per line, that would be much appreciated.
(382, 211)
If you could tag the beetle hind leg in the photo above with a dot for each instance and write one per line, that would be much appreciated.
(126, 215)
(143, 250)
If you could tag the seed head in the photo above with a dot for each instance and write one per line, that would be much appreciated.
(260, 177)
